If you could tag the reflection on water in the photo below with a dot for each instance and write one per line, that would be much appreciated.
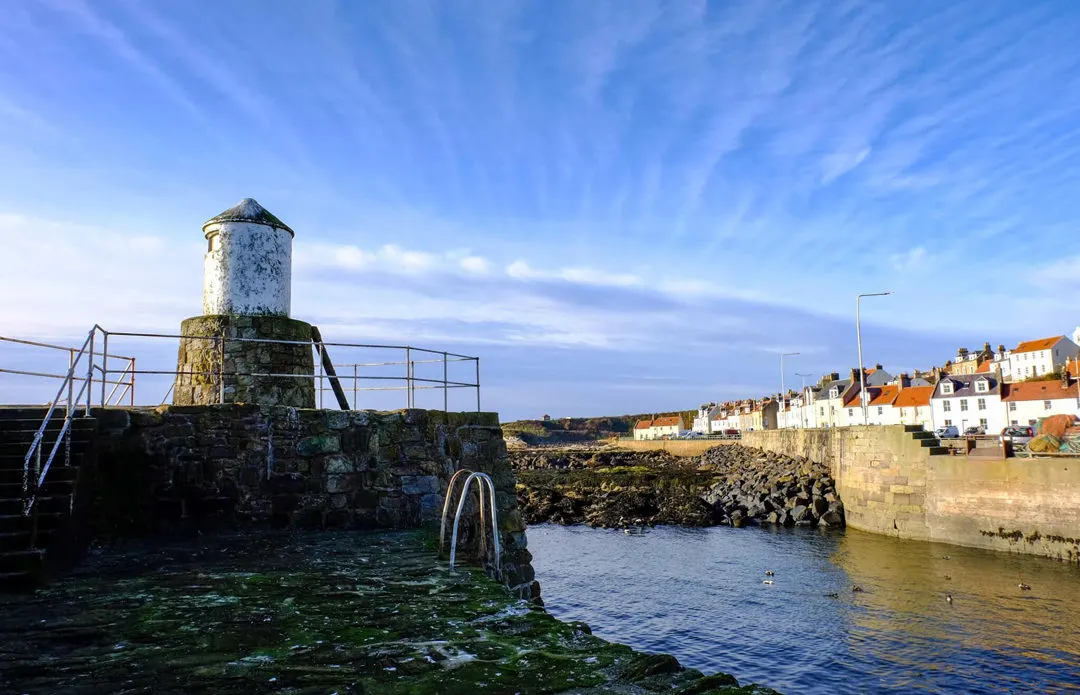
(699, 594)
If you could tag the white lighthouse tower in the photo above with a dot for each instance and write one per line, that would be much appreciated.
(248, 266)
(245, 348)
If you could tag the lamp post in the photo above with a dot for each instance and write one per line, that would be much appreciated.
(783, 389)
(800, 374)
(858, 333)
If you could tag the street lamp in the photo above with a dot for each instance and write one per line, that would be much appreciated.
(800, 374)
(858, 332)
(783, 389)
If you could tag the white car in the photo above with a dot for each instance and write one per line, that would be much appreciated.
(947, 432)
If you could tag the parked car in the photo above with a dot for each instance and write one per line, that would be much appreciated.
(947, 432)
(692, 435)
(978, 429)
(1017, 434)
(732, 434)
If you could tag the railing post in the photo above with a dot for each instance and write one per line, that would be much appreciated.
(89, 373)
(355, 387)
(221, 369)
(320, 387)
(408, 377)
(478, 384)
(104, 364)
(445, 388)
(132, 395)
(70, 383)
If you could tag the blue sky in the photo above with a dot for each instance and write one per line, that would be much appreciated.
(620, 206)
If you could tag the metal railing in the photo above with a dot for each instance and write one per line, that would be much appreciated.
(348, 378)
(124, 377)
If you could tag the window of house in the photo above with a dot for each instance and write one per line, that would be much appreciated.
(833, 393)
(982, 404)
(1046, 405)
(946, 406)
(946, 388)
(982, 421)
(880, 410)
(822, 411)
(1012, 407)
(948, 423)
(1013, 422)
(980, 386)
(1042, 368)
(850, 412)
(963, 404)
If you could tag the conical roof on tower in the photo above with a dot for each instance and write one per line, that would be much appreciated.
(249, 210)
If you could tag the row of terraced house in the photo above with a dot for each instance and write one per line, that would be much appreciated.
(985, 389)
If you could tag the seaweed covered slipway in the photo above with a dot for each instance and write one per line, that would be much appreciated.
(316, 612)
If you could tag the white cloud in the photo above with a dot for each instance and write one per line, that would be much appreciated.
(911, 260)
(835, 165)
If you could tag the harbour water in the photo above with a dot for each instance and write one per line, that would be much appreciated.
(701, 595)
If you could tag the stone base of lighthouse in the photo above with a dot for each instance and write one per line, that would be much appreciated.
(217, 363)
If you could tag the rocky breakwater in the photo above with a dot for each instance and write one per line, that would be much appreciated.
(732, 485)
(757, 486)
(611, 488)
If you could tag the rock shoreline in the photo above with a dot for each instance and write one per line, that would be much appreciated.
(727, 485)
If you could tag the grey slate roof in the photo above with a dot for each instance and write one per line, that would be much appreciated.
(964, 386)
(249, 210)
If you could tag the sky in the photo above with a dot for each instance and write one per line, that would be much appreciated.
(621, 207)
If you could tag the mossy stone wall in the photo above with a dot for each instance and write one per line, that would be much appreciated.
(210, 339)
(200, 468)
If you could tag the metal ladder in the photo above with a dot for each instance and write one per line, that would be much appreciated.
(482, 479)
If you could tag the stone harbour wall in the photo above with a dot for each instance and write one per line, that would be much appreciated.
(200, 369)
(182, 469)
(893, 483)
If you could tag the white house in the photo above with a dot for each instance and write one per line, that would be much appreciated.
(667, 426)
(1027, 402)
(968, 400)
(880, 410)
(643, 430)
(1038, 357)
(829, 405)
(913, 405)
(703, 419)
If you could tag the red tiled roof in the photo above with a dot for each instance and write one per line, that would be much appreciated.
(1038, 391)
(673, 421)
(913, 397)
(886, 395)
(1040, 344)
(984, 368)
(643, 424)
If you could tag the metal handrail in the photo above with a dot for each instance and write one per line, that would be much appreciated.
(482, 478)
(72, 401)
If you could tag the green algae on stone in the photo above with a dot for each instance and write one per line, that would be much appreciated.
(305, 613)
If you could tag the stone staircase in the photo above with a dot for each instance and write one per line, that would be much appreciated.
(25, 541)
(926, 439)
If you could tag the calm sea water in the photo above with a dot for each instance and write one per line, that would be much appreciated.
(699, 594)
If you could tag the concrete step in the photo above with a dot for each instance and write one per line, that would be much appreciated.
(30, 560)
(57, 504)
(17, 523)
(940, 450)
(24, 540)
(62, 485)
(18, 581)
(11, 475)
(930, 442)
(17, 450)
(921, 434)
(913, 428)
(31, 413)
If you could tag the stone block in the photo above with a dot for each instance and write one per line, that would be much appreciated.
(419, 484)
(326, 443)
